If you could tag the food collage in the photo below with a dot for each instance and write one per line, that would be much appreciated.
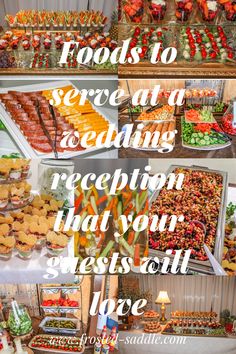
(117, 176)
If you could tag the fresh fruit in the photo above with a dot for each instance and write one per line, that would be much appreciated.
(157, 9)
(208, 8)
(183, 9)
(134, 10)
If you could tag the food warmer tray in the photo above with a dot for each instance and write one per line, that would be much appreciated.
(19, 137)
(58, 329)
(196, 265)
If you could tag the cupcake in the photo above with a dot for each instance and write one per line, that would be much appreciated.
(25, 245)
(56, 243)
(6, 246)
(4, 197)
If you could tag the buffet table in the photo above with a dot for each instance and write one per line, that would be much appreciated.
(17, 270)
(165, 344)
(204, 71)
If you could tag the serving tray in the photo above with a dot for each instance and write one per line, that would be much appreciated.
(19, 137)
(196, 265)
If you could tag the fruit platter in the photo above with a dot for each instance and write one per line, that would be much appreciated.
(189, 234)
(30, 105)
(182, 11)
(199, 30)
(203, 136)
(58, 344)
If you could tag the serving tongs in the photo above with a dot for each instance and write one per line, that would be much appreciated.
(218, 269)
(51, 142)
(222, 134)
(153, 108)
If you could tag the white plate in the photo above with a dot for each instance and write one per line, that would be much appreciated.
(18, 136)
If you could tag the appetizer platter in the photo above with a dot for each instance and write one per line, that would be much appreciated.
(203, 136)
(196, 325)
(30, 104)
(34, 41)
(204, 222)
(57, 344)
(202, 33)
(157, 129)
(204, 121)
(61, 325)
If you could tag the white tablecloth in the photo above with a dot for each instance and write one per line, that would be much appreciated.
(166, 345)
(17, 270)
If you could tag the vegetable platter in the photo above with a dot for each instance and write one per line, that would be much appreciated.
(24, 97)
(213, 217)
(57, 344)
(203, 136)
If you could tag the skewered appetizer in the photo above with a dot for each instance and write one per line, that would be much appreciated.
(207, 44)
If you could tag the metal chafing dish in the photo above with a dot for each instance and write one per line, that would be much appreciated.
(196, 265)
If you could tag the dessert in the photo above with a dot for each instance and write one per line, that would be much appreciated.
(150, 314)
(4, 196)
(25, 244)
(152, 327)
(208, 8)
(6, 246)
(158, 9)
(56, 243)
(134, 10)
(183, 9)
